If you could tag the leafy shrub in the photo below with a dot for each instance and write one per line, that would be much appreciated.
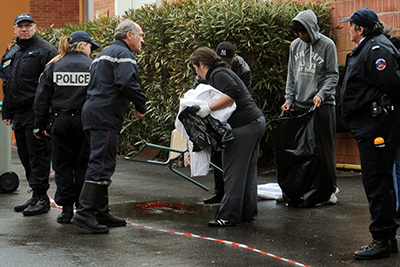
(261, 31)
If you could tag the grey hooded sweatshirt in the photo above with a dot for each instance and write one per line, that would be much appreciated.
(313, 68)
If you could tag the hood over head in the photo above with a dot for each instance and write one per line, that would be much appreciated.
(309, 20)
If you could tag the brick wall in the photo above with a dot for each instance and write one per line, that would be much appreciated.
(104, 8)
(388, 12)
(57, 12)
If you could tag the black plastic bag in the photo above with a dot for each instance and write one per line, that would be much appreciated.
(301, 156)
(205, 132)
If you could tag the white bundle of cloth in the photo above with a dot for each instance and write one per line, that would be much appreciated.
(203, 94)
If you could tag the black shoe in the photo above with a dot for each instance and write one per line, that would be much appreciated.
(376, 250)
(66, 215)
(41, 206)
(23, 206)
(214, 199)
(393, 246)
(110, 221)
(221, 223)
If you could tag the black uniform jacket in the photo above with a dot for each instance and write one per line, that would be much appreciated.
(371, 70)
(62, 86)
(23, 65)
(113, 84)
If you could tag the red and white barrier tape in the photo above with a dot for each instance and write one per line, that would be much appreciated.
(209, 238)
(220, 241)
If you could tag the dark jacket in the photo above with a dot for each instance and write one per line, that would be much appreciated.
(226, 81)
(371, 70)
(240, 67)
(113, 85)
(22, 67)
(62, 86)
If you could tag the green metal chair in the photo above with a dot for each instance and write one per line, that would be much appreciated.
(178, 147)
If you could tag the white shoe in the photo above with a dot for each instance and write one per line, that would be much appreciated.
(332, 200)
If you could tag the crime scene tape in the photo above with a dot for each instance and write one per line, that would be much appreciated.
(235, 244)
(221, 241)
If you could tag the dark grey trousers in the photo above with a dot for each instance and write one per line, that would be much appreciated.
(240, 173)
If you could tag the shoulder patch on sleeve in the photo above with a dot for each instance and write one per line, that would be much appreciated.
(380, 64)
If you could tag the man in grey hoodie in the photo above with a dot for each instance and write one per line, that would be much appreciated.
(311, 80)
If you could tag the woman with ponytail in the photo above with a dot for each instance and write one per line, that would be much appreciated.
(239, 160)
(59, 99)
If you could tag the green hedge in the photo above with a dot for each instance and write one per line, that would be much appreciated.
(260, 30)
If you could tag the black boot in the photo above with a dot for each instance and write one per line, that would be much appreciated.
(32, 200)
(103, 215)
(66, 215)
(377, 249)
(90, 196)
(41, 206)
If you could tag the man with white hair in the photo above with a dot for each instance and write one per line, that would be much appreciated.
(113, 85)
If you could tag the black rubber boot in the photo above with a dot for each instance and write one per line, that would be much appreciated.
(66, 215)
(103, 215)
(90, 196)
(41, 206)
(23, 206)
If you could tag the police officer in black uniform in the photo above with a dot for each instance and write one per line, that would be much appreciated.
(370, 105)
(113, 85)
(23, 65)
(62, 89)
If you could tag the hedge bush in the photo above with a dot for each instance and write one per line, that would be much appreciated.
(260, 30)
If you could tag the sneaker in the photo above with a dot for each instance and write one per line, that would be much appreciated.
(221, 223)
(332, 200)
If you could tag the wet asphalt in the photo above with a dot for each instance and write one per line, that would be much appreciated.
(168, 227)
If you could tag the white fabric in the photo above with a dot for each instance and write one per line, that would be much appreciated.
(202, 95)
(269, 191)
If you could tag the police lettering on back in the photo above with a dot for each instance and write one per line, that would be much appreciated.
(71, 78)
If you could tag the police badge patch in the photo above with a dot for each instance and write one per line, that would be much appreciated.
(380, 64)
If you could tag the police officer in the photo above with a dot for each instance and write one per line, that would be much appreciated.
(370, 105)
(113, 85)
(62, 88)
(23, 65)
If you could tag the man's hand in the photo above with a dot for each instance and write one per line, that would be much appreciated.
(317, 101)
(204, 111)
(137, 114)
(40, 134)
(285, 107)
(8, 121)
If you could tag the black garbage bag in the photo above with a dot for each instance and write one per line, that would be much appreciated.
(205, 132)
(301, 156)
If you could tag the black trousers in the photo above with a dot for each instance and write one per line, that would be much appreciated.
(69, 158)
(377, 166)
(103, 153)
(34, 153)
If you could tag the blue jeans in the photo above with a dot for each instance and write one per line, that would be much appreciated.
(396, 178)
